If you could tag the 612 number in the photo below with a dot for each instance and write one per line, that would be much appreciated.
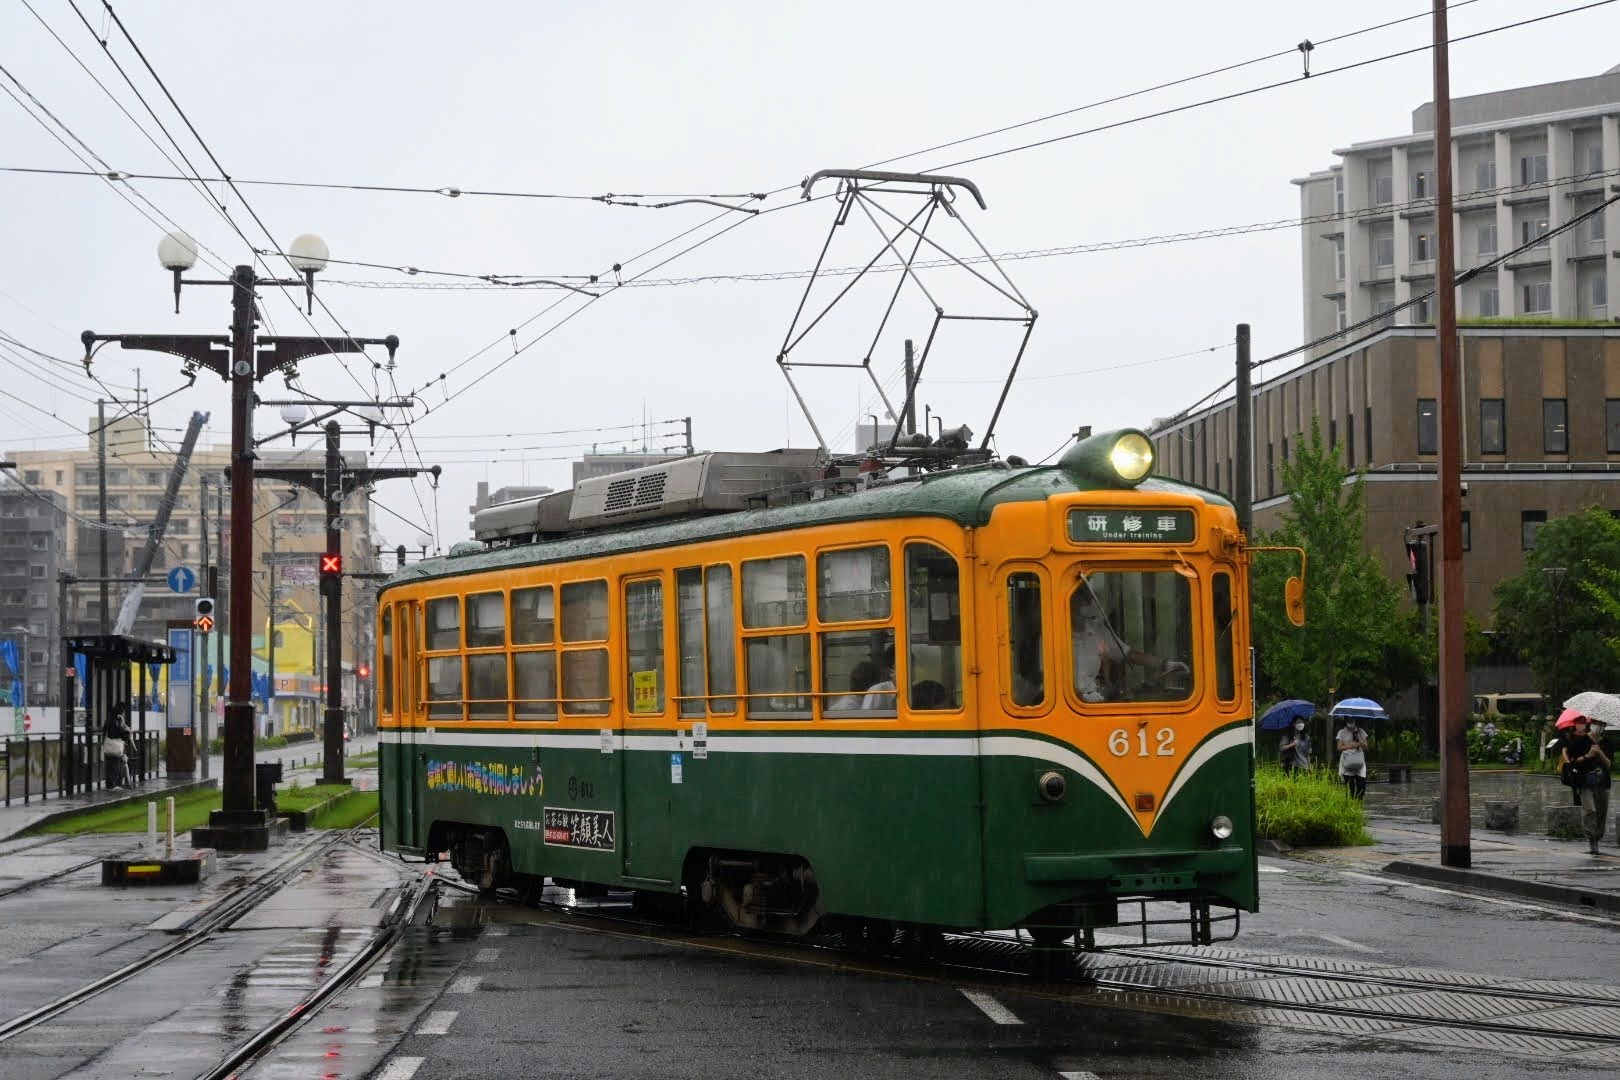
(1119, 743)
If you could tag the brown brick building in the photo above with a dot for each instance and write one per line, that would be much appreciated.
(1541, 415)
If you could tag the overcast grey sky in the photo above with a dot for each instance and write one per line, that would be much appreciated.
(698, 98)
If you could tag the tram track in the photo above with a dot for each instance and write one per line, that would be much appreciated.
(1392, 1004)
(219, 916)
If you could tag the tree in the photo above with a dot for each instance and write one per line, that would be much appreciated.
(1572, 634)
(1354, 641)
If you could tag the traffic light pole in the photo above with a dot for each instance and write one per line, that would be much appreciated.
(328, 484)
(243, 359)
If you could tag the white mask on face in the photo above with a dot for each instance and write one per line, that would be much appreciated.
(1299, 725)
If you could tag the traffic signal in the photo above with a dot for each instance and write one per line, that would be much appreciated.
(365, 671)
(203, 614)
(1417, 573)
(331, 564)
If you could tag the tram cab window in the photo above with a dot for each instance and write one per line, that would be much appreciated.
(1225, 637)
(387, 665)
(644, 646)
(933, 628)
(1131, 636)
(586, 684)
(1025, 651)
(486, 620)
(853, 585)
(532, 617)
(443, 624)
(777, 665)
(857, 674)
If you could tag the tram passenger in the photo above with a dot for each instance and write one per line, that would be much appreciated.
(862, 677)
(1101, 657)
(881, 694)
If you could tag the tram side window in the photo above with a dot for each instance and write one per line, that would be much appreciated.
(586, 685)
(443, 624)
(777, 665)
(1225, 638)
(1025, 650)
(857, 673)
(532, 618)
(689, 671)
(644, 646)
(486, 620)
(720, 638)
(853, 585)
(444, 687)
(534, 671)
(933, 628)
(387, 664)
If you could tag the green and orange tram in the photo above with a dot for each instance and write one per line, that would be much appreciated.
(978, 698)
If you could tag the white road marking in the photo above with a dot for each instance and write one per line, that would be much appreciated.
(371, 982)
(1482, 898)
(437, 1023)
(1335, 939)
(401, 1068)
(465, 984)
(1078, 1075)
(992, 1008)
(486, 955)
(1264, 869)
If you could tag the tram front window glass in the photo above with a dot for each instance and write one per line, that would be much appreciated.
(933, 628)
(1225, 643)
(1025, 651)
(778, 672)
(535, 676)
(852, 586)
(689, 640)
(720, 640)
(532, 616)
(387, 664)
(584, 681)
(444, 623)
(644, 646)
(584, 613)
(444, 685)
(774, 592)
(486, 620)
(486, 679)
(857, 674)
(1132, 636)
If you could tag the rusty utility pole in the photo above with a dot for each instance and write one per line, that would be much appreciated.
(1454, 818)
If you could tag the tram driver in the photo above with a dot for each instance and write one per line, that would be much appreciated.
(1102, 658)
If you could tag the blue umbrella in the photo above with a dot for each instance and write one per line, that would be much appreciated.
(1280, 715)
(1361, 708)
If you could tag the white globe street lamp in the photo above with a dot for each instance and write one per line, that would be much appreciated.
(308, 254)
(177, 252)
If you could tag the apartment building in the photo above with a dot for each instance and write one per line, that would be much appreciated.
(33, 550)
(1541, 418)
(1524, 162)
(138, 468)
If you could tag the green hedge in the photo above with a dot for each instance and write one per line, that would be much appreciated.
(1307, 809)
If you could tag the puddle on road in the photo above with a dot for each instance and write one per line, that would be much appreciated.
(1414, 800)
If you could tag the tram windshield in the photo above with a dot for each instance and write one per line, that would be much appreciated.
(1132, 636)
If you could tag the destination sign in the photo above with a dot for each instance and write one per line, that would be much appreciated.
(1114, 526)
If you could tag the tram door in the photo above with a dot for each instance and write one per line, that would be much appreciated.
(648, 768)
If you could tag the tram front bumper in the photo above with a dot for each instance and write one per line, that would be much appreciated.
(1137, 872)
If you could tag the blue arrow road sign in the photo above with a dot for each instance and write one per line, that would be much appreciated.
(181, 579)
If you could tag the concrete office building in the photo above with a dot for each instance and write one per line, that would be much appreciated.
(1524, 161)
(1541, 413)
(33, 549)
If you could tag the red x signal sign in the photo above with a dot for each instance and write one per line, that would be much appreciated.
(204, 624)
(331, 564)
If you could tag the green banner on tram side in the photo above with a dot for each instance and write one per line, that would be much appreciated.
(1115, 526)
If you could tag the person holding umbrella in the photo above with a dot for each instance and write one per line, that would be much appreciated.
(1351, 741)
(1289, 717)
(1585, 767)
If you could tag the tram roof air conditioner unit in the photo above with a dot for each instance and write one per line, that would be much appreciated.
(702, 483)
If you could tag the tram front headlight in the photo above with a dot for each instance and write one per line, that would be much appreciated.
(1131, 456)
(1221, 827)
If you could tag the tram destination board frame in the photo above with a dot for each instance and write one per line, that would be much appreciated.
(1112, 525)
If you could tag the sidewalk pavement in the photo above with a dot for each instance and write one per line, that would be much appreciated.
(1526, 866)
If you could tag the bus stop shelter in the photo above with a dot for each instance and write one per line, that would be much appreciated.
(115, 673)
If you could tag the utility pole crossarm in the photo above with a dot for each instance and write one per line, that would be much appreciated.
(197, 350)
(284, 351)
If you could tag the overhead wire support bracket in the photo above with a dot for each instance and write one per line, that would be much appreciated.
(858, 188)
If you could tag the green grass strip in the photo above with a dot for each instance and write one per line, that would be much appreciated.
(1307, 809)
(191, 809)
(357, 808)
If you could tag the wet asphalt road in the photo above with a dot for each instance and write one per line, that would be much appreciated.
(500, 991)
